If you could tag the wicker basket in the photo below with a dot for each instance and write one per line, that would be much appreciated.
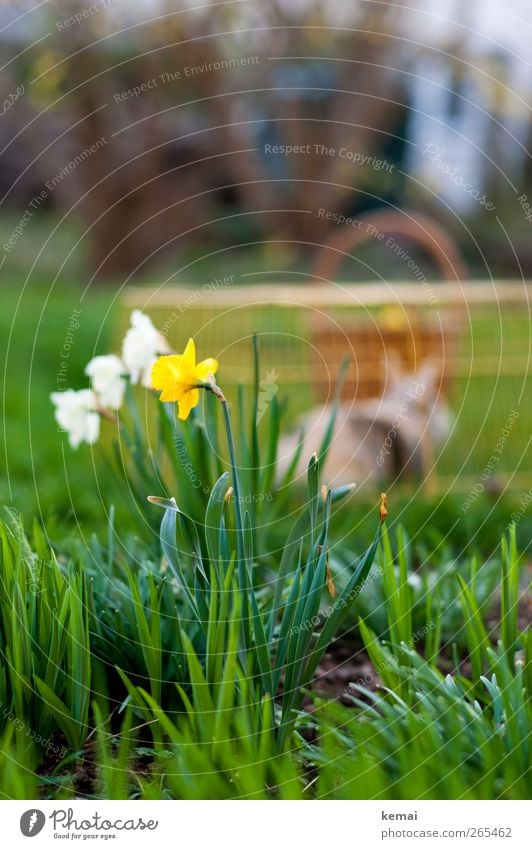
(399, 336)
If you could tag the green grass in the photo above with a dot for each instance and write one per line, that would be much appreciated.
(438, 744)
(426, 734)
(41, 475)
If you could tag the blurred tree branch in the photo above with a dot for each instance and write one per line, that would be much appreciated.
(184, 150)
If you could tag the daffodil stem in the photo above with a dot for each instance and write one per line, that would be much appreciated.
(243, 576)
(215, 389)
(109, 415)
(232, 457)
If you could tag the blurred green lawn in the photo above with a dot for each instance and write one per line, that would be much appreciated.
(43, 476)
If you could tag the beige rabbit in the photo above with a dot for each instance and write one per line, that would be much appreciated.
(377, 440)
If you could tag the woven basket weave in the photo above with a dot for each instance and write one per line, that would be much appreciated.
(407, 337)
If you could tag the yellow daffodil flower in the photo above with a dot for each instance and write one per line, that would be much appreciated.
(178, 377)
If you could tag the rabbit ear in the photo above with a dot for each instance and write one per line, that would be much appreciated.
(429, 374)
(392, 371)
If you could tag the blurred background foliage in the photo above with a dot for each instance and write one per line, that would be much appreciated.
(185, 106)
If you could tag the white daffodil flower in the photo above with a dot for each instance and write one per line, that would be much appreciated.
(142, 343)
(107, 380)
(75, 413)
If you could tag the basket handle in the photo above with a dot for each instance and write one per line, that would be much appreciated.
(419, 228)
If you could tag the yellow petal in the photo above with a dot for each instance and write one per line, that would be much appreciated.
(163, 370)
(169, 377)
(177, 376)
(171, 393)
(205, 368)
(187, 400)
(189, 356)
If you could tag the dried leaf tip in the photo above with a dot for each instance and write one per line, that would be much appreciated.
(383, 512)
(330, 582)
